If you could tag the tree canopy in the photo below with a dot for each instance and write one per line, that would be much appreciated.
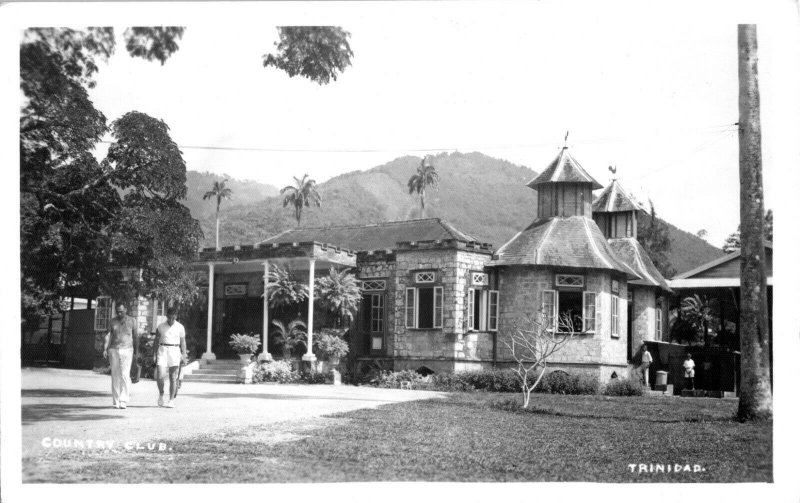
(83, 222)
(318, 53)
(653, 235)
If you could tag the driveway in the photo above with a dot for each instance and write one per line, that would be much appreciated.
(76, 404)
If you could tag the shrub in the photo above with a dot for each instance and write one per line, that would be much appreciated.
(388, 379)
(312, 377)
(561, 383)
(330, 345)
(244, 344)
(275, 371)
(624, 387)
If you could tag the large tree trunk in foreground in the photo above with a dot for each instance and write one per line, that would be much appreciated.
(755, 401)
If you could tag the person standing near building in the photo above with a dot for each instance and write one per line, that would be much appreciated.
(169, 355)
(120, 348)
(688, 370)
(647, 359)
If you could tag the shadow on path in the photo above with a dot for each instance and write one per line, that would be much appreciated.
(65, 412)
(63, 393)
(268, 396)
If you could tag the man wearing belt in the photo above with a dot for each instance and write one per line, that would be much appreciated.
(170, 353)
(120, 347)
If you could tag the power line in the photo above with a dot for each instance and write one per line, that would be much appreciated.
(596, 141)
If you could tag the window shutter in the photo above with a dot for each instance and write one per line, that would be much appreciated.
(494, 308)
(410, 311)
(549, 308)
(589, 311)
(471, 309)
(438, 306)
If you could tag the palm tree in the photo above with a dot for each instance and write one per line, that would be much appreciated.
(339, 293)
(755, 399)
(426, 176)
(220, 191)
(303, 193)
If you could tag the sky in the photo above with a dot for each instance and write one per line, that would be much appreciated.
(656, 99)
(650, 91)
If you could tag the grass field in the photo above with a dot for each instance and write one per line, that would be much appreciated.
(475, 437)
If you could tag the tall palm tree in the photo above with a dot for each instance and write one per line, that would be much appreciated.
(302, 193)
(426, 176)
(755, 399)
(219, 191)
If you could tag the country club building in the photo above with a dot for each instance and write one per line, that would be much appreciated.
(436, 299)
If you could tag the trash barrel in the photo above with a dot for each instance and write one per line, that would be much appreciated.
(661, 378)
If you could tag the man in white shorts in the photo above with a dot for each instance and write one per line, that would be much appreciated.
(169, 355)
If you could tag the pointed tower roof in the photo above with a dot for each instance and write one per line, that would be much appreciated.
(614, 198)
(564, 169)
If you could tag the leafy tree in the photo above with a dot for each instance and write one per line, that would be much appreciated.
(339, 293)
(531, 343)
(69, 203)
(220, 192)
(79, 218)
(302, 194)
(654, 237)
(733, 242)
(318, 53)
(426, 176)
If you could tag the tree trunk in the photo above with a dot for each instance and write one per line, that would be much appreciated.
(755, 401)
(217, 229)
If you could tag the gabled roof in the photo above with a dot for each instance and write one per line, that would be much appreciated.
(614, 198)
(722, 272)
(562, 242)
(564, 169)
(633, 255)
(373, 237)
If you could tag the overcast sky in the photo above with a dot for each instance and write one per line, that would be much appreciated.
(651, 91)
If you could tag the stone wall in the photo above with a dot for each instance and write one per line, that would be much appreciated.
(644, 316)
(381, 266)
(520, 295)
(448, 343)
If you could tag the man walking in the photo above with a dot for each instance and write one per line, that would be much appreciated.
(120, 348)
(169, 355)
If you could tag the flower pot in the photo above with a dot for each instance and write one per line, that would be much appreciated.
(334, 361)
(245, 358)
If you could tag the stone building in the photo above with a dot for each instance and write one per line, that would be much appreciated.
(438, 300)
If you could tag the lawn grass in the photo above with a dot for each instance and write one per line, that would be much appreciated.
(466, 437)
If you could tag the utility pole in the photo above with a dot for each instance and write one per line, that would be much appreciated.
(755, 401)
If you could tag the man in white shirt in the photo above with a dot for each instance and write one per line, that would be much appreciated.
(688, 370)
(647, 359)
(169, 354)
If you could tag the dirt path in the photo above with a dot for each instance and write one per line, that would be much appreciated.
(64, 405)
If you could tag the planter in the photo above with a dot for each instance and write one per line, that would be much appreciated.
(245, 358)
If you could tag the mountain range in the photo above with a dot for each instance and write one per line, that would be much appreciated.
(480, 195)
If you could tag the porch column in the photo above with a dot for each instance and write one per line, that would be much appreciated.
(309, 356)
(265, 329)
(209, 355)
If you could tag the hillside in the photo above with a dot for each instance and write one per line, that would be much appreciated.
(480, 195)
(245, 192)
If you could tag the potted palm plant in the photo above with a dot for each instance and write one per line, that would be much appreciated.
(331, 346)
(244, 345)
(289, 336)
